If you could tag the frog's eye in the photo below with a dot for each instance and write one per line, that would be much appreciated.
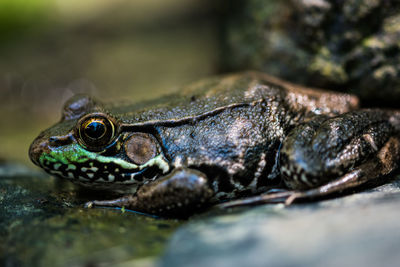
(96, 131)
(140, 148)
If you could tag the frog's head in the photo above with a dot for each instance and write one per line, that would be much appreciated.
(92, 148)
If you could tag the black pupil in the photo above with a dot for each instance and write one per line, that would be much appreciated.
(95, 129)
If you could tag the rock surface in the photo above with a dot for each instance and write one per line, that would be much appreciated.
(42, 223)
(357, 230)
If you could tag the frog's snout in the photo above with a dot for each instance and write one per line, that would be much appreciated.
(39, 146)
(43, 144)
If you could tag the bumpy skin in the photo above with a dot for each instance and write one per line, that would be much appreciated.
(224, 138)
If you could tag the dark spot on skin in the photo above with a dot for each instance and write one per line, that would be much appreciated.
(218, 174)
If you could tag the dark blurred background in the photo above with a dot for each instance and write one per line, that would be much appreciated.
(114, 50)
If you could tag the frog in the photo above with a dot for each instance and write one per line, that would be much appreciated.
(230, 140)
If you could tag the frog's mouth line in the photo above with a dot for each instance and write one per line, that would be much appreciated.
(109, 173)
(79, 165)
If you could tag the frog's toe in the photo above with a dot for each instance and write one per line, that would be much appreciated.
(119, 202)
(268, 198)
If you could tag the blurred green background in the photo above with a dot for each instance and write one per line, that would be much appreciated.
(114, 50)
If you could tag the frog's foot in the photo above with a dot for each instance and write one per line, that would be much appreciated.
(268, 198)
(119, 202)
(318, 152)
(353, 179)
(177, 194)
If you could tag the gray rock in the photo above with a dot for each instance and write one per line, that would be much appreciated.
(357, 230)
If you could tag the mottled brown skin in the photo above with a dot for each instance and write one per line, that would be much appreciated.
(224, 138)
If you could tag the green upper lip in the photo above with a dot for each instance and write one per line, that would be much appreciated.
(74, 162)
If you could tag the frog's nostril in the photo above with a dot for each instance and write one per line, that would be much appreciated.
(53, 140)
(56, 141)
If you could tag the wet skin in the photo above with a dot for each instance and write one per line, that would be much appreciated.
(231, 137)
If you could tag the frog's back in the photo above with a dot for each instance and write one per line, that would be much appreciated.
(242, 88)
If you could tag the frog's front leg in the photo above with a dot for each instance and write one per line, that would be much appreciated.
(176, 194)
(328, 155)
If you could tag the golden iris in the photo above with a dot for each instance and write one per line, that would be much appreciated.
(96, 132)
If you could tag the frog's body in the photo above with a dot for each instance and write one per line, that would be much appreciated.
(220, 138)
